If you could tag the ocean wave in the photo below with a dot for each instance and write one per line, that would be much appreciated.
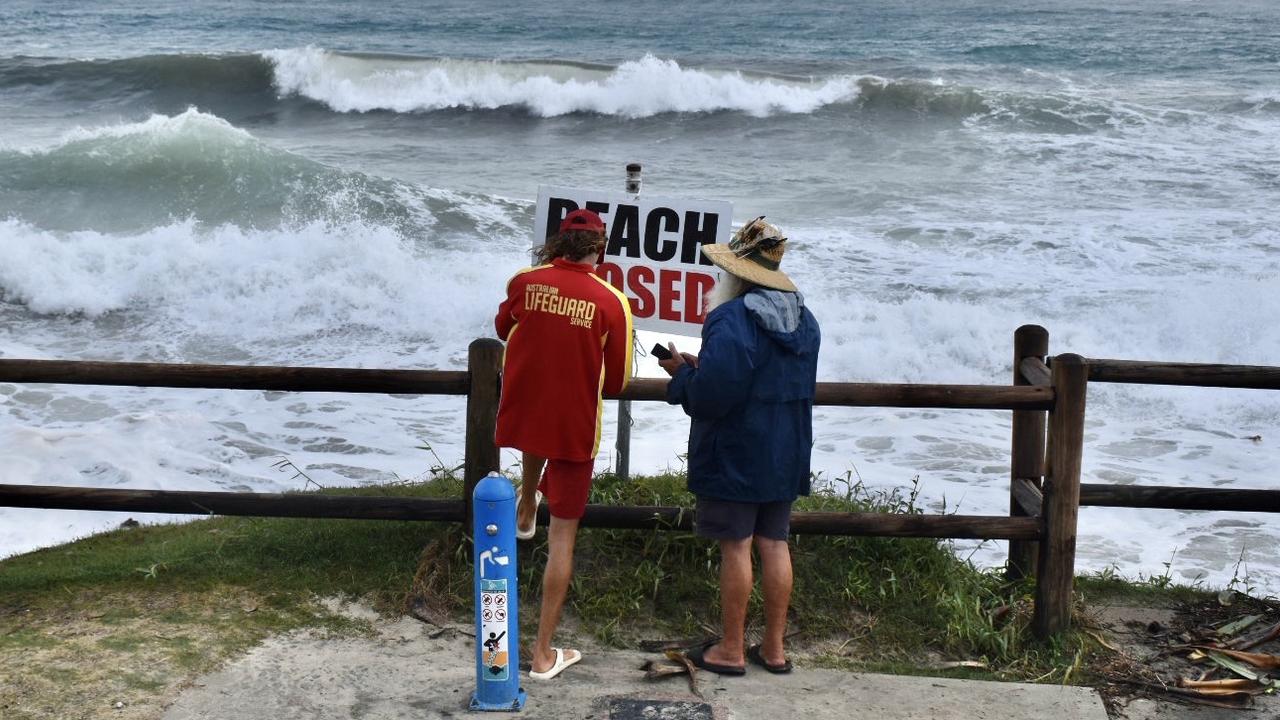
(317, 288)
(248, 86)
(923, 98)
(1268, 102)
(162, 82)
(642, 88)
(360, 82)
(194, 165)
(650, 87)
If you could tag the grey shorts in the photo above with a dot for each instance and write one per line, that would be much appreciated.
(728, 520)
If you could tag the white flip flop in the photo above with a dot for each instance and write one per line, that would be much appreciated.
(528, 534)
(562, 662)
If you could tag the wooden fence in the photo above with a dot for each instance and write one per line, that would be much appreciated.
(1047, 399)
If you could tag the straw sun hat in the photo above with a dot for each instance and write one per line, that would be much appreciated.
(753, 254)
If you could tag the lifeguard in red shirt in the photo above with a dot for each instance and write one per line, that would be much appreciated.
(568, 335)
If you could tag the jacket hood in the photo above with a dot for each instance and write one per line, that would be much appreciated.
(782, 317)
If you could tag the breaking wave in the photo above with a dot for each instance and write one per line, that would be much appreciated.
(197, 166)
(642, 88)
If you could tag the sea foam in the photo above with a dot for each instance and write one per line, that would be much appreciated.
(640, 88)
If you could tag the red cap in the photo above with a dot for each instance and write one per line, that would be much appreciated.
(582, 220)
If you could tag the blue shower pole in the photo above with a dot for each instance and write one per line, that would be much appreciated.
(496, 597)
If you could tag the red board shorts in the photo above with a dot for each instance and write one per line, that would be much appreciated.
(565, 485)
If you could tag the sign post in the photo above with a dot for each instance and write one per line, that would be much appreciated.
(496, 596)
(623, 445)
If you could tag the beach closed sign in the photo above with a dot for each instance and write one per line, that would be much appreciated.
(652, 254)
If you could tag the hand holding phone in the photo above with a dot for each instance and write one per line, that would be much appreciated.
(661, 352)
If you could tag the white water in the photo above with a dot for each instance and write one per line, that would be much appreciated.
(640, 88)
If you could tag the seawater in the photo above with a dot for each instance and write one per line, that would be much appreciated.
(328, 185)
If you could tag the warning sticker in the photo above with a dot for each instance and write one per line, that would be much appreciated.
(493, 630)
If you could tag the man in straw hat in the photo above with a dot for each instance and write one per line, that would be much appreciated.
(568, 336)
(749, 393)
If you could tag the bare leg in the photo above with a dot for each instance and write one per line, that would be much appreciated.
(735, 593)
(530, 473)
(775, 580)
(561, 537)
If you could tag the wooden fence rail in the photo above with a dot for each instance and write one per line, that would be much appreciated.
(368, 507)
(457, 382)
(1179, 498)
(1189, 374)
(186, 502)
(236, 377)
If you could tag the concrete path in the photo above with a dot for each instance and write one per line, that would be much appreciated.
(406, 673)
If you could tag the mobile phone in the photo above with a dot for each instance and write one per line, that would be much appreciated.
(660, 351)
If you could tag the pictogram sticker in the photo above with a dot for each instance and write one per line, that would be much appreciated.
(493, 630)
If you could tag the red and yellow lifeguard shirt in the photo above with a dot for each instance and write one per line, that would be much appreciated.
(568, 336)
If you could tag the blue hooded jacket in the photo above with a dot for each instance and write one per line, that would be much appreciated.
(751, 399)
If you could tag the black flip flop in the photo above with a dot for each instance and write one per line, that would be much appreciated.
(754, 656)
(695, 657)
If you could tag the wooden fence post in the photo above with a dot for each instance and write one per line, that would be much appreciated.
(484, 363)
(1056, 571)
(1027, 459)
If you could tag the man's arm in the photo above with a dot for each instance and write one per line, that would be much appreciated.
(505, 321)
(722, 378)
(618, 347)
